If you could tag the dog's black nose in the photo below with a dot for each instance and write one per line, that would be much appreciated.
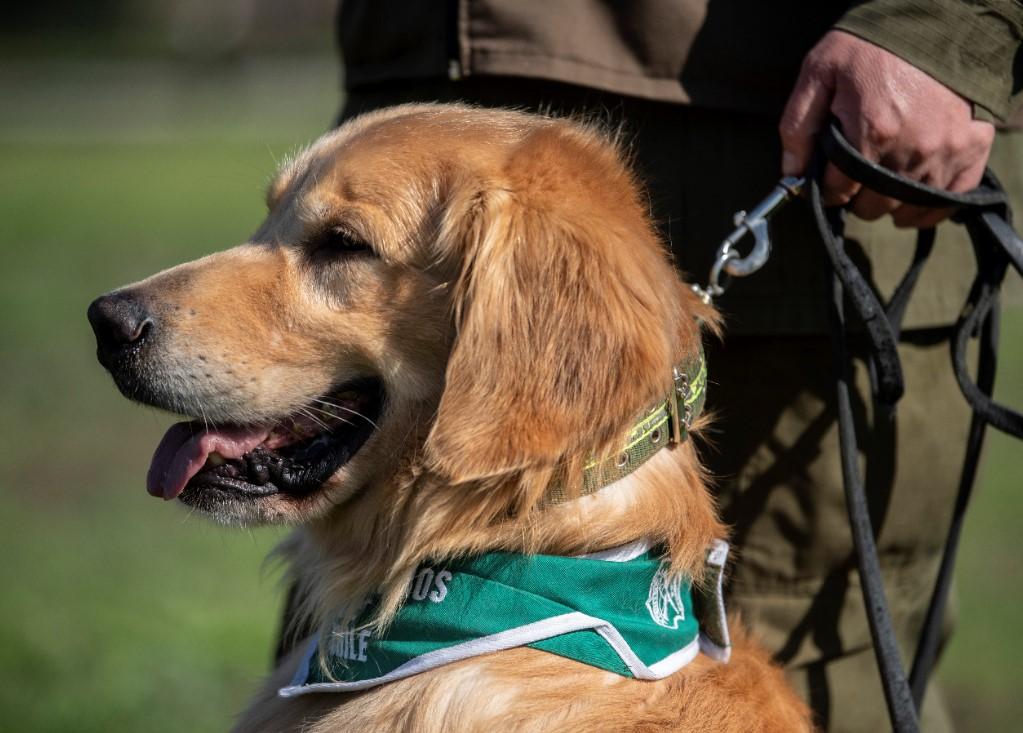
(119, 321)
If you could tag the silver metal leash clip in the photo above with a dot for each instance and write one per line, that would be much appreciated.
(729, 261)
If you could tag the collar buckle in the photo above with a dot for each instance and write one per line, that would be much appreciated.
(681, 412)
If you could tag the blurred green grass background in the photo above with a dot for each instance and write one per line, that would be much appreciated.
(118, 612)
(117, 159)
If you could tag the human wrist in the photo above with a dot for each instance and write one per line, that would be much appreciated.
(967, 46)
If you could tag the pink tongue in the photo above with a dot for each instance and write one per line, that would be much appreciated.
(184, 450)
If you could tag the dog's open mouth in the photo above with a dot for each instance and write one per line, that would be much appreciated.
(294, 456)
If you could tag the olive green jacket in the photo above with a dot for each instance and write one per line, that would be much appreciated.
(741, 54)
(699, 86)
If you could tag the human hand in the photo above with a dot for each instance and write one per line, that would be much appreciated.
(894, 114)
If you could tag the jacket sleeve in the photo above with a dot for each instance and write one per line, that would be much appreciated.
(974, 47)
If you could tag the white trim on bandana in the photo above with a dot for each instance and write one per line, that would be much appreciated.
(500, 641)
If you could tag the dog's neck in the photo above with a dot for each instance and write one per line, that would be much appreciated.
(375, 544)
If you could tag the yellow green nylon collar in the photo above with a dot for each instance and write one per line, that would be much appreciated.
(666, 422)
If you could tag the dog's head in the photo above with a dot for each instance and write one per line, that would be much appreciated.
(436, 289)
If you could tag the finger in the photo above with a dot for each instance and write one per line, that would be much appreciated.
(804, 115)
(918, 217)
(923, 218)
(870, 205)
(982, 137)
(969, 177)
(839, 189)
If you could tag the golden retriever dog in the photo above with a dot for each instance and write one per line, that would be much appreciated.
(446, 315)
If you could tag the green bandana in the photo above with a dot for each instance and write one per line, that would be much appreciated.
(617, 610)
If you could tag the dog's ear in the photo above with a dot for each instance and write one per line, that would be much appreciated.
(568, 314)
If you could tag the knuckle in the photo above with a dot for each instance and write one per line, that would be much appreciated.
(790, 130)
(927, 146)
(984, 134)
(981, 141)
(969, 180)
(880, 130)
(814, 64)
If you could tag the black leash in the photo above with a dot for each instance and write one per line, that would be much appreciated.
(986, 215)
(887, 386)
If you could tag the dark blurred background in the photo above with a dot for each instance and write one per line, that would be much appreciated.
(135, 135)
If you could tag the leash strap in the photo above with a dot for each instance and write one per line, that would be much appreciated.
(986, 215)
(898, 695)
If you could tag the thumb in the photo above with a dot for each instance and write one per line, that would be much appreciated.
(804, 116)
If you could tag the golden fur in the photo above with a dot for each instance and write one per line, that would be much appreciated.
(520, 311)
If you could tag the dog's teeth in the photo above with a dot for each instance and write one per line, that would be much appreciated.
(215, 459)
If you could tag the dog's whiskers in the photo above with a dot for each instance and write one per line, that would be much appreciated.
(202, 413)
(329, 414)
(280, 424)
(346, 409)
(306, 413)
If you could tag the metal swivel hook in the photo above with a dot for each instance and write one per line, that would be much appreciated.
(729, 262)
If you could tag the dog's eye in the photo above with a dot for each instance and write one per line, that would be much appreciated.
(336, 242)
